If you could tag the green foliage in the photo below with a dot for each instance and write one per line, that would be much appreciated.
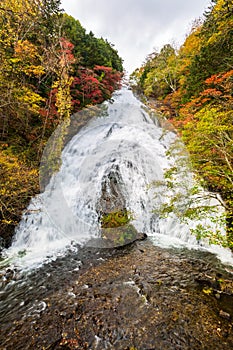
(213, 236)
(89, 50)
(211, 148)
(158, 76)
(180, 195)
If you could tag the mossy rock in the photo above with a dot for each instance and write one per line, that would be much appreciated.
(116, 218)
(116, 230)
(117, 237)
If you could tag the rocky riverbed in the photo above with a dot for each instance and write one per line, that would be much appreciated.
(136, 297)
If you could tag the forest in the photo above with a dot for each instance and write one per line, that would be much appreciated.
(50, 68)
(193, 87)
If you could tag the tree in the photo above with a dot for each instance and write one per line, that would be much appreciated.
(89, 50)
(26, 71)
(216, 49)
(158, 76)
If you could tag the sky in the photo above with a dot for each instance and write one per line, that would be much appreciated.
(137, 27)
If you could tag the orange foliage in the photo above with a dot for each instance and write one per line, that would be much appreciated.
(219, 78)
(211, 93)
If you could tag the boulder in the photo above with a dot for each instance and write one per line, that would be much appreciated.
(115, 220)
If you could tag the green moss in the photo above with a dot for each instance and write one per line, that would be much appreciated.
(120, 235)
(116, 219)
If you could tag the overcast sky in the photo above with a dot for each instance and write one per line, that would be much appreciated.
(137, 27)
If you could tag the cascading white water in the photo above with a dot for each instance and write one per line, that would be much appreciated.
(124, 138)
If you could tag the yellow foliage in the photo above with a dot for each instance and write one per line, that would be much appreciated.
(18, 184)
(63, 97)
(221, 7)
(35, 70)
(207, 291)
(20, 7)
(27, 59)
(30, 98)
(25, 50)
(190, 48)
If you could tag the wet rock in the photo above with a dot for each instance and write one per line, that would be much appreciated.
(141, 236)
(127, 299)
(2, 243)
(117, 237)
(112, 198)
(224, 314)
(116, 229)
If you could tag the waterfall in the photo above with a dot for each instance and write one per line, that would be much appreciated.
(124, 137)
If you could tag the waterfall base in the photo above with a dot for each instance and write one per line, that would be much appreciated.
(139, 297)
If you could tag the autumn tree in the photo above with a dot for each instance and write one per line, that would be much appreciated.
(158, 76)
(28, 55)
(216, 47)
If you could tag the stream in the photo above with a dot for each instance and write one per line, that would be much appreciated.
(62, 287)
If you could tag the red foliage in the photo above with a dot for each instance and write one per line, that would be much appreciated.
(109, 78)
(220, 87)
(66, 51)
(94, 86)
(213, 80)
(85, 89)
(89, 86)
(103, 68)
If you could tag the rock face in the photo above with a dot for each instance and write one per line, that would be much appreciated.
(112, 198)
(116, 229)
